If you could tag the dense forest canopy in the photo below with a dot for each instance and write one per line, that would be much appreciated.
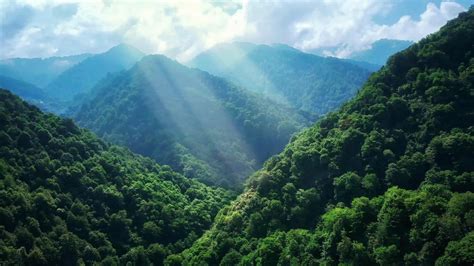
(68, 198)
(305, 81)
(386, 180)
(337, 161)
(201, 125)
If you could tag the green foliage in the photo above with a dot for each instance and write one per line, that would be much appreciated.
(201, 125)
(69, 198)
(386, 180)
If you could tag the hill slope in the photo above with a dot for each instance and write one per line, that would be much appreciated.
(199, 124)
(386, 180)
(305, 81)
(68, 198)
(38, 71)
(23, 89)
(83, 76)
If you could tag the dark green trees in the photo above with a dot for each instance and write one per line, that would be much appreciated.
(386, 180)
(67, 197)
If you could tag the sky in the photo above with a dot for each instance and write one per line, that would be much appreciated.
(181, 29)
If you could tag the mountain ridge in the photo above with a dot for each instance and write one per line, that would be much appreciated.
(87, 73)
(204, 126)
(385, 180)
(304, 81)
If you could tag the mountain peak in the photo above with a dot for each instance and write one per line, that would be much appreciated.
(125, 48)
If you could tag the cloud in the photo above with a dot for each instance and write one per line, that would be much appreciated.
(181, 29)
(13, 19)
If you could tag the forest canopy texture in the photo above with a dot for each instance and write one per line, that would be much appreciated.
(386, 180)
(67, 197)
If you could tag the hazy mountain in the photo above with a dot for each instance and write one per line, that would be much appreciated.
(368, 66)
(385, 180)
(38, 71)
(380, 51)
(201, 125)
(67, 196)
(83, 76)
(23, 89)
(304, 81)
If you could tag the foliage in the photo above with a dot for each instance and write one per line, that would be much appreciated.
(201, 125)
(386, 180)
(68, 198)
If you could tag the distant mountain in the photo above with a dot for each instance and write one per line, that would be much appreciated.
(83, 76)
(388, 179)
(366, 65)
(33, 95)
(201, 125)
(69, 198)
(23, 89)
(304, 81)
(38, 71)
(380, 51)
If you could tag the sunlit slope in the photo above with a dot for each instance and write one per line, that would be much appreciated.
(386, 180)
(201, 125)
(68, 198)
(304, 81)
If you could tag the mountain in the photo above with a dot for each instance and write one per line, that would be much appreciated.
(33, 95)
(201, 125)
(385, 180)
(23, 89)
(68, 198)
(83, 76)
(38, 71)
(307, 82)
(380, 51)
(368, 66)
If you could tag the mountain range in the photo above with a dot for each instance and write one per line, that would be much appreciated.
(84, 75)
(201, 125)
(380, 51)
(38, 71)
(385, 180)
(275, 157)
(304, 81)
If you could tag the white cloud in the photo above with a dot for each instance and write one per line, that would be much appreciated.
(431, 20)
(181, 29)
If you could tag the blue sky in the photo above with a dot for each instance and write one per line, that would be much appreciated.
(181, 29)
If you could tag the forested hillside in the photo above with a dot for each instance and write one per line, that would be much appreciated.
(83, 76)
(201, 125)
(304, 81)
(386, 180)
(68, 198)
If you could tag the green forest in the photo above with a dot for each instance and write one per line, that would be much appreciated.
(201, 125)
(69, 198)
(386, 180)
(275, 157)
